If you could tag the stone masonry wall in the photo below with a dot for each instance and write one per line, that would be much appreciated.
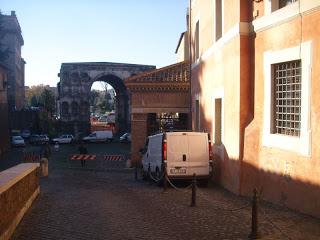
(15, 198)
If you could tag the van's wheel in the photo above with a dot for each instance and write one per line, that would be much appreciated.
(143, 174)
(159, 178)
(149, 172)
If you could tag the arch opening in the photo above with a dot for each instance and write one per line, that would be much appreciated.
(108, 104)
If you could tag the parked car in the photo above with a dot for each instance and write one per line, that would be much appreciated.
(180, 154)
(17, 141)
(66, 138)
(15, 132)
(25, 133)
(103, 119)
(125, 137)
(111, 118)
(44, 139)
(99, 136)
(34, 139)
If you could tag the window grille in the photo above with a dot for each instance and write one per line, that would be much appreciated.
(287, 98)
(283, 3)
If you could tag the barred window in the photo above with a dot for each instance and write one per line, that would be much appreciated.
(287, 98)
(284, 3)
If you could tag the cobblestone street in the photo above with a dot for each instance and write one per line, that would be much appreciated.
(82, 203)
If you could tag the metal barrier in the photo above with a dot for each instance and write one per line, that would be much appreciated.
(105, 157)
(83, 157)
(113, 157)
(101, 160)
(157, 180)
(178, 188)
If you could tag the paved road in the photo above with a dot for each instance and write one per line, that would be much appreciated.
(82, 203)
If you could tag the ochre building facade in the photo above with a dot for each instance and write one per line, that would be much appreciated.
(255, 88)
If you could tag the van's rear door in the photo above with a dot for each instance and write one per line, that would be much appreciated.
(198, 154)
(177, 154)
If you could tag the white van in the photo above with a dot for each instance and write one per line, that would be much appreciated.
(180, 154)
(99, 136)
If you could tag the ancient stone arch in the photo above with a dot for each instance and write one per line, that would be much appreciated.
(74, 89)
(74, 108)
(65, 109)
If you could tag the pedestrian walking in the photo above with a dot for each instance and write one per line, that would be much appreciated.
(56, 146)
(82, 150)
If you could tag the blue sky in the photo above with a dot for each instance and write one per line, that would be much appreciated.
(128, 31)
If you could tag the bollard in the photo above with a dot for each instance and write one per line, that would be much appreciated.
(254, 221)
(44, 167)
(194, 189)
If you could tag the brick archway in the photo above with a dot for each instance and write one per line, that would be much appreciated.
(74, 89)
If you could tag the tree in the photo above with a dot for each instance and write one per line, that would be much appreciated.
(47, 101)
(34, 101)
(109, 102)
(94, 94)
(4, 51)
(93, 99)
(101, 98)
(34, 93)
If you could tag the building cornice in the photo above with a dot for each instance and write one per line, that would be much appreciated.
(285, 14)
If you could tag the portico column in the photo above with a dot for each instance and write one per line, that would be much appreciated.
(138, 135)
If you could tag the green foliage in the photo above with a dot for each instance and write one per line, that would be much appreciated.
(99, 101)
(94, 95)
(47, 101)
(41, 96)
(34, 101)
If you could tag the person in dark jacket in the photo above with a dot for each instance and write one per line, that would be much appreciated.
(46, 151)
(82, 150)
